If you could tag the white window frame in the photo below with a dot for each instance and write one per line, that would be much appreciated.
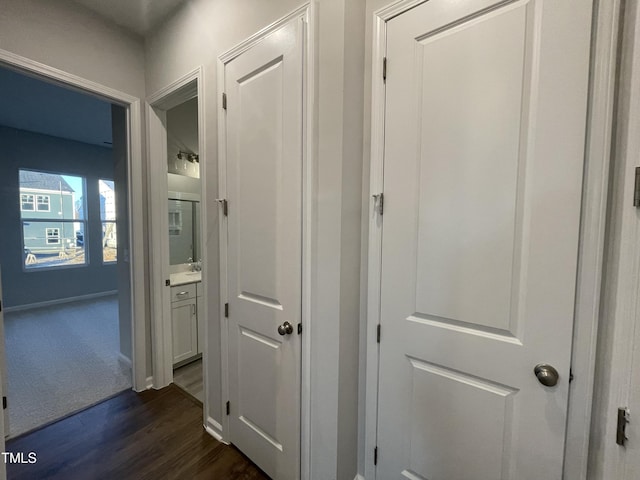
(32, 202)
(37, 203)
(56, 235)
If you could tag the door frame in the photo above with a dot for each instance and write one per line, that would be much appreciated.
(306, 13)
(592, 230)
(187, 87)
(132, 105)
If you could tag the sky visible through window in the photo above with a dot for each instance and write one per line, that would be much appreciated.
(76, 184)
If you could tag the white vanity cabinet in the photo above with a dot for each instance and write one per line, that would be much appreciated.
(201, 319)
(184, 316)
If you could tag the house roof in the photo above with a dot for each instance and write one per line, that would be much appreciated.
(43, 181)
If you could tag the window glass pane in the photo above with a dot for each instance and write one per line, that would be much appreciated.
(52, 244)
(53, 209)
(109, 242)
(43, 203)
(51, 196)
(26, 203)
(107, 200)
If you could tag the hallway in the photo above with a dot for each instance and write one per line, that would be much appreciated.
(156, 434)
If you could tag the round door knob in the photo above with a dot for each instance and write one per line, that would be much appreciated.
(546, 374)
(285, 329)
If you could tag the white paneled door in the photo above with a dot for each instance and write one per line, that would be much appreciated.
(263, 88)
(485, 117)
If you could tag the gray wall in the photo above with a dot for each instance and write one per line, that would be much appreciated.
(33, 151)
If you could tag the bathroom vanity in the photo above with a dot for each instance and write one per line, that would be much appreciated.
(187, 316)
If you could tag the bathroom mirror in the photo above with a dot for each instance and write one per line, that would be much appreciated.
(184, 231)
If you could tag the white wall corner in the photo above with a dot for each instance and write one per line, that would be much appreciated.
(148, 384)
(214, 429)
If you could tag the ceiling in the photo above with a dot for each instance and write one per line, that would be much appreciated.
(138, 16)
(27, 103)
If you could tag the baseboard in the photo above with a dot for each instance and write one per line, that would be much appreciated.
(124, 359)
(214, 429)
(59, 301)
(359, 477)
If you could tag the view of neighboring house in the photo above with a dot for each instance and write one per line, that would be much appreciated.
(108, 213)
(46, 205)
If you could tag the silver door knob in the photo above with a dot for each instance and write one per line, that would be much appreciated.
(285, 329)
(547, 375)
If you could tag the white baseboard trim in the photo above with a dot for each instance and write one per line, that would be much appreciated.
(124, 359)
(214, 429)
(359, 477)
(58, 301)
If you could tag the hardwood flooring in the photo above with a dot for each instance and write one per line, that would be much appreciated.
(189, 378)
(156, 434)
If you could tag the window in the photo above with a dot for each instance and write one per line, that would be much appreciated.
(26, 203)
(53, 221)
(108, 218)
(53, 236)
(43, 203)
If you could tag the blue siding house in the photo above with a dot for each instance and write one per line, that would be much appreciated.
(48, 213)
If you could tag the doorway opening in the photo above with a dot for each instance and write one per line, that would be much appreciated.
(178, 220)
(67, 296)
(184, 195)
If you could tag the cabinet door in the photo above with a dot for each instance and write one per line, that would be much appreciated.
(185, 330)
(200, 323)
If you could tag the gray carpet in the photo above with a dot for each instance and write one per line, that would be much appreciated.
(62, 359)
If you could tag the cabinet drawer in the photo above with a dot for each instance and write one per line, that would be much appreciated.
(183, 292)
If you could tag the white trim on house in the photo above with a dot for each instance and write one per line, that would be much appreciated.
(134, 187)
(601, 100)
(307, 13)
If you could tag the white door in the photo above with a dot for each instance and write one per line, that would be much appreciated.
(264, 190)
(483, 159)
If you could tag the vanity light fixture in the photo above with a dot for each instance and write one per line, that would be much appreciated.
(191, 157)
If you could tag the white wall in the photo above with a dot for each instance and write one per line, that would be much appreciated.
(614, 360)
(182, 136)
(64, 35)
(195, 36)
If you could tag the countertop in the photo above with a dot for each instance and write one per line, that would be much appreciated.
(182, 278)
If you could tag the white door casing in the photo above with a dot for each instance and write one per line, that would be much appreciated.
(264, 91)
(483, 158)
(5, 429)
(4, 419)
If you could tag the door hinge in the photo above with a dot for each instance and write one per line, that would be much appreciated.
(228, 407)
(226, 310)
(375, 456)
(4, 403)
(224, 203)
(0, 305)
(570, 375)
(623, 419)
(167, 283)
(636, 189)
(378, 201)
(224, 101)
(378, 333)
(384, 69)
(299, 329)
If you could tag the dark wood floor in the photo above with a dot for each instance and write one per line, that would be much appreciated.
(156, 434)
